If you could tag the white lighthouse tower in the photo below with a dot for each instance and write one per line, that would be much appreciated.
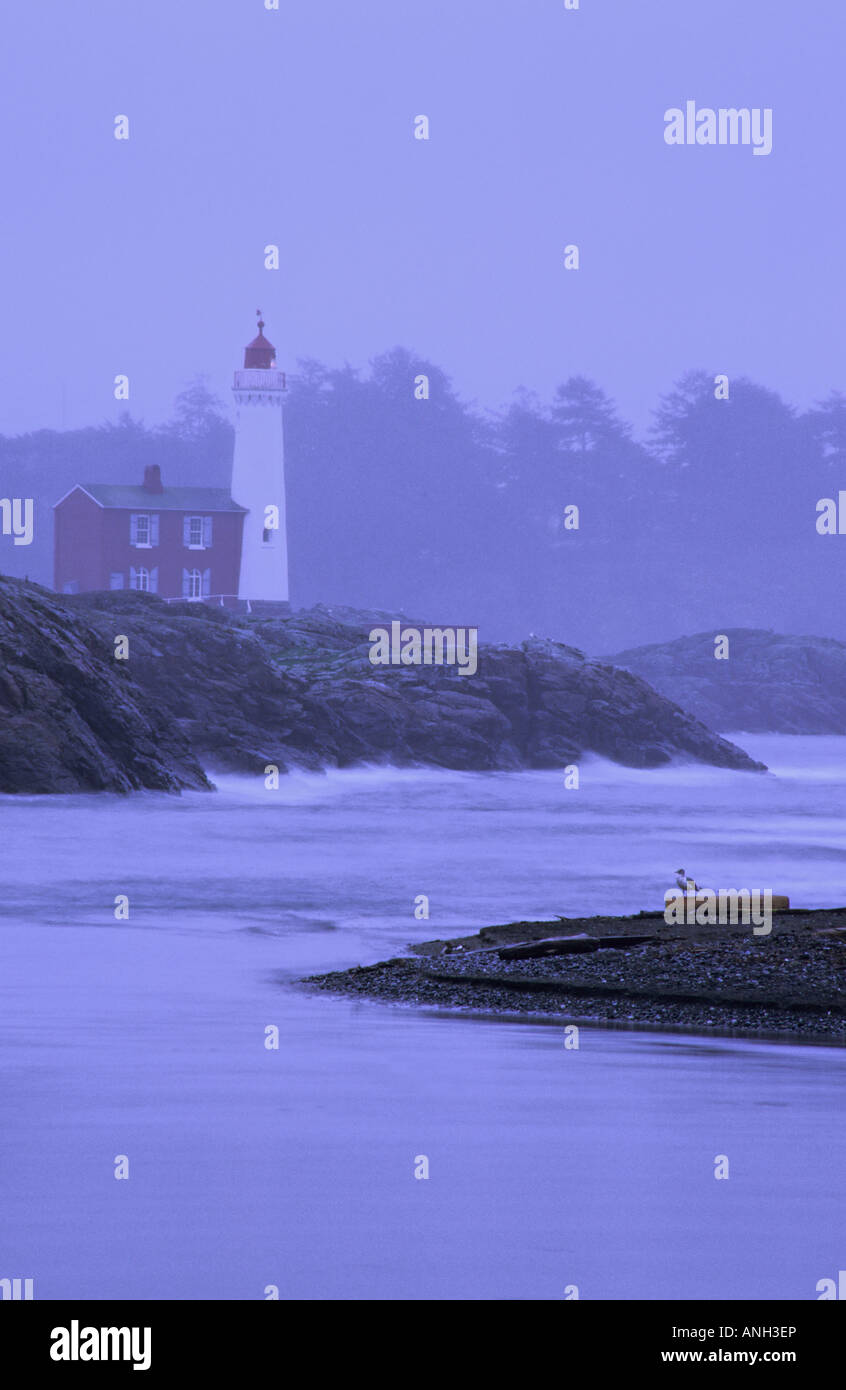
(258, 471)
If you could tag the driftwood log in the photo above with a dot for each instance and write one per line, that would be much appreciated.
(569, 945)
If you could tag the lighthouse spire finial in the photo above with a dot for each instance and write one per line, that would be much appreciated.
(260, 353)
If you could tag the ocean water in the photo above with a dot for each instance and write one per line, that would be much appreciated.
(294, 1168)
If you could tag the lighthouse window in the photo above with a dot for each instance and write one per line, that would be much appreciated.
(267, 536)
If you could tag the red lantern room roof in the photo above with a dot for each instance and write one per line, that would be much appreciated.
(260, 353)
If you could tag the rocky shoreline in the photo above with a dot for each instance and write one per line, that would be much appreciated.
(635, 972)
(773, 683)
(201, 689)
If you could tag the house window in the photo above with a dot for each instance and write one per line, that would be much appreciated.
(197, 532)
(115, 581)
(196, 583)
(143, 530)
(146, 581)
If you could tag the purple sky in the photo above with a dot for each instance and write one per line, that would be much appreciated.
(295, 127)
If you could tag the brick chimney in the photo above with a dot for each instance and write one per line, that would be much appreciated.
(153, 478)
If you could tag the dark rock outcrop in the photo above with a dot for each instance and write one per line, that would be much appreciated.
(71, 718)
(769, 684)
(298, 689)
(204, 687)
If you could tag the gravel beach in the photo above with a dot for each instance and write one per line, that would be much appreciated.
(789, 984)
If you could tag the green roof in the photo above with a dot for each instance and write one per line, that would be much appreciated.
(172, 499)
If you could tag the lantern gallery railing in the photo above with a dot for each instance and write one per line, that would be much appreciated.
(260, 379)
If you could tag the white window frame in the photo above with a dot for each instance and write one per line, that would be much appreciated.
(201, 525)
(148, 543)
(195, 585)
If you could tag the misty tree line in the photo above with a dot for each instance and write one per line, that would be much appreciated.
(456, 515)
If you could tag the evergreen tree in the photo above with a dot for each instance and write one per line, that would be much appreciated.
(825, 430)
(585, 419)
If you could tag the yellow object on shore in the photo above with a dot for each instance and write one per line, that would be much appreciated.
(690, 901)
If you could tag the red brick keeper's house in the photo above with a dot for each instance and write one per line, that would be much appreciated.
(179, 542)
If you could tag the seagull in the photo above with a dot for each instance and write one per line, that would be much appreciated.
(687, 885)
